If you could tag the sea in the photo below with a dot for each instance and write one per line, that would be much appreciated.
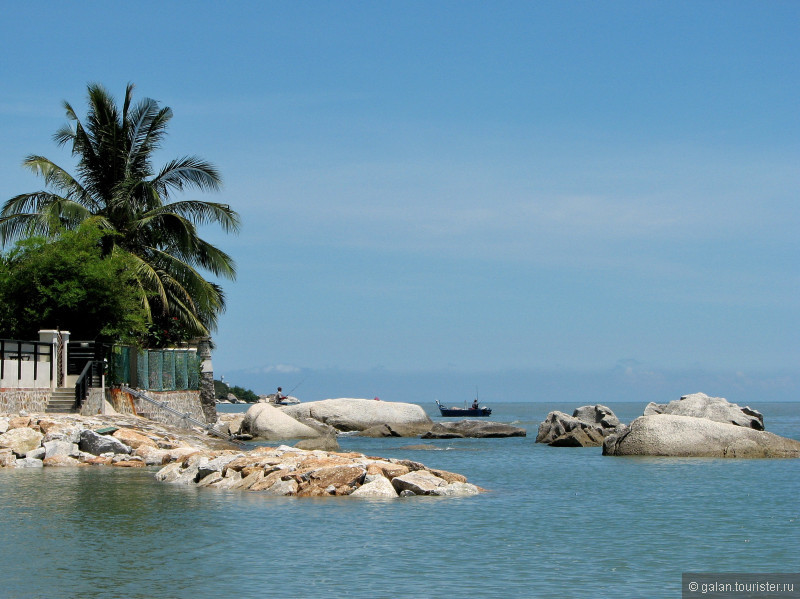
(554, 522)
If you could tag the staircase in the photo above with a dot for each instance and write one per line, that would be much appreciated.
(62, 401)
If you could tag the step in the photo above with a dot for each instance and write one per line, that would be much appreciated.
(62, 401)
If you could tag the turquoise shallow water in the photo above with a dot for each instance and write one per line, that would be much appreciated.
(557, 522)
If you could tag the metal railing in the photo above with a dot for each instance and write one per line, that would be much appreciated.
(84, 382)
(184, 416)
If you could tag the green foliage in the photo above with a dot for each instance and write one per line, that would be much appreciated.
(118, 188)
(68, 284)
(244, 394)
(221, 391)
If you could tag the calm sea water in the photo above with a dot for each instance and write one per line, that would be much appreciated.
(558, 522)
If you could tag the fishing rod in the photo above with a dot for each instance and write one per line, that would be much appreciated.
(297, 385)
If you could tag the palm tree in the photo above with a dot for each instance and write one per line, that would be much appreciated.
(118, 189)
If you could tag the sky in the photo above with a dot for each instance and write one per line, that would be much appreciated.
(588, 200)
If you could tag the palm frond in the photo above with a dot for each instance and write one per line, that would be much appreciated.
(203, 213)
(189, 171)
(21, 225)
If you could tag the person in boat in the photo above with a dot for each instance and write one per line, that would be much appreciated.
(279, 396)
(475, 404)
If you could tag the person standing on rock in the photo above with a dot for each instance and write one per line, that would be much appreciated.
(279, 396)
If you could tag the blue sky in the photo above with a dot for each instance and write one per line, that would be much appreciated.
(511, 194)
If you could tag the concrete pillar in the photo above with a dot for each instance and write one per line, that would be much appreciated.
(59, 361)
(207, 400)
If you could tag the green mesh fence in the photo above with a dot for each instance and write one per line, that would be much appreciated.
(119, 371)
(157, 369)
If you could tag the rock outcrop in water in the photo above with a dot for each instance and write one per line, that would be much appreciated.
(191, 457)
(587, 427)
(290, 471)
(697, 425)
(481, 429)
(348, 414)
(688, 436)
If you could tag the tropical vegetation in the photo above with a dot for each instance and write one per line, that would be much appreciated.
(67, 283)
(118, 191)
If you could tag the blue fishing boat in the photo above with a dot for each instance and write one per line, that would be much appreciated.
(471, 412)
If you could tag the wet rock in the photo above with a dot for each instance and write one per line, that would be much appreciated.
(61, 461)
(282, 488)
(473, 429)
(456, 489)
(420, 482)
(29, 462)
(7, 458)
(326, 443)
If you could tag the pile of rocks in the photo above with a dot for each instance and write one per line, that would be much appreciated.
(291, 471)
(587, 427)
(190, 457)
(37, 440)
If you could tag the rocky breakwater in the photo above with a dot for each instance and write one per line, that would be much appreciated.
(47, 440)
(587, 427)
(699, 426)
(289, 471)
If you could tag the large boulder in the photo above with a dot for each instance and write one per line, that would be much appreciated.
(687, 436)
(348, 414)
(59, 447)
(420, 482)
(270, 423)
(375, 486)
(21, 440)
(719, 409)
(473, 429)
(96, 444)
(587, 427)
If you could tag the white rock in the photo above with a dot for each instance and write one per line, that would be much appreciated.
(21, 440)
(350, 414)
(60, 447)
(419, 482)
(270, 423)
(377, 486)
(456, 489)
(687, 436)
